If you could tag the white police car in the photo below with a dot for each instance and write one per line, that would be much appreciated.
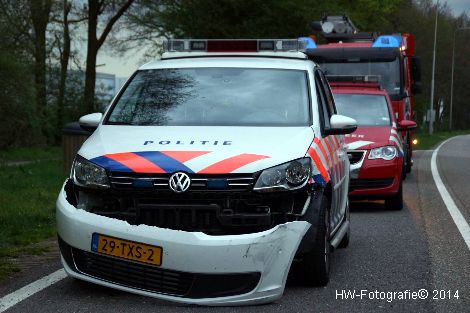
(211, 170)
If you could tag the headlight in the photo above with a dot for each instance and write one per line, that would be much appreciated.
(88, 174)
(386, 153)
(289, 176)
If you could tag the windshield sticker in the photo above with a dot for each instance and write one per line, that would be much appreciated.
(354, 136)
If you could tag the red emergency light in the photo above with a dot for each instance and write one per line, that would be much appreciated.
(408, 44)
(232, 46)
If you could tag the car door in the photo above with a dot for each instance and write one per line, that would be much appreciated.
(335, 145)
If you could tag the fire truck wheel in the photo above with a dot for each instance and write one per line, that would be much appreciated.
(315, 264)
(396, 201)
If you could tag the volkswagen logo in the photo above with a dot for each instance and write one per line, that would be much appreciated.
(179, 182)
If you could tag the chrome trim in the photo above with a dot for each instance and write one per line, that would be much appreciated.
(339, 183)
(307, 203)
(199, 182)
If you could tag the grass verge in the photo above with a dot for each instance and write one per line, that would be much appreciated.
(426, 141)
(27, 207)
(30, 154)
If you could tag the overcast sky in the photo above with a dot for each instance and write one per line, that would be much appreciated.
(458, 6)
(125, 66)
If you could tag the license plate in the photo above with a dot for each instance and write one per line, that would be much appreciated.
(125, 249)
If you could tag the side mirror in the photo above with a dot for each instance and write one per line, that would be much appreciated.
(416, 69)
(341, 125)
(91, 121)
(406, 125)
(416, 87)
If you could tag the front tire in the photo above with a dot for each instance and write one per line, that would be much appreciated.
(345, 241)
(315, 264)
(408, 162)
(403, 170)
(395, 202)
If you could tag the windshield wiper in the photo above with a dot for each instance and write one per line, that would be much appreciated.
(118, 123)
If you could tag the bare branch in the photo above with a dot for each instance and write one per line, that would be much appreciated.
(112, 21)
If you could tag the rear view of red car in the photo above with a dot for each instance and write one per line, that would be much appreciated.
(376, 148)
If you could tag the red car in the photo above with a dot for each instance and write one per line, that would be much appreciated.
(375, 150)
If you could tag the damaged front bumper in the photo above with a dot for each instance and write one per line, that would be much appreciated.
(199, 268)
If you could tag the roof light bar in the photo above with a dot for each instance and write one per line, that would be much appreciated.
(236, 45)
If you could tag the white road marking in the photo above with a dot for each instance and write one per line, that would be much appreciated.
(27, 291)
(454, 211)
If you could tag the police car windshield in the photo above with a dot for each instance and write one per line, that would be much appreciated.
(214, 97)
(367, 110)
(388, 71)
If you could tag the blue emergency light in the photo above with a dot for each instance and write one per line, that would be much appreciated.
(386, 41)
(310, 43)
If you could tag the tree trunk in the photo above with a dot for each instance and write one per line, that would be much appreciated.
(64, 63)
(92, 51)
(40, 10)
(94, 44)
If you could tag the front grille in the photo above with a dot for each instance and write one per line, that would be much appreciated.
(182, 217)
(355, 156)
(199, 182)
(212, 212)
(370, 183)
(140, 276)
(155, 279)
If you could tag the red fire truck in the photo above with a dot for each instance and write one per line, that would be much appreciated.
(391, 57)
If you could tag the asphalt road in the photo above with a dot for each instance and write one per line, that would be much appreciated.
(416, 248)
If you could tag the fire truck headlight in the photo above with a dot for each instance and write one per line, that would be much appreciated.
(386, 153)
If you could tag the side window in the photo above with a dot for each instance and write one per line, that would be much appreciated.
(321, 99)
(329, 95)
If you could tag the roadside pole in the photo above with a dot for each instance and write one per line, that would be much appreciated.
(431, 105)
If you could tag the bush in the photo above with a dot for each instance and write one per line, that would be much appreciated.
(18, 122)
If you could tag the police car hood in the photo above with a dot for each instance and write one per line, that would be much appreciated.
(206, 150)
(368, 137)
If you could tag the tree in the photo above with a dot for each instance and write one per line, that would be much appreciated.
(18, 123)
(16, 26)
(222, 19)
(63, 39)
(40, 12)
(151, 21)
(97, 8)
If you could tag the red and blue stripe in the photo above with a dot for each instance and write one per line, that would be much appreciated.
(156, 162)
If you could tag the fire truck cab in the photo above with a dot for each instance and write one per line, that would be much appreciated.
(391, 57)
